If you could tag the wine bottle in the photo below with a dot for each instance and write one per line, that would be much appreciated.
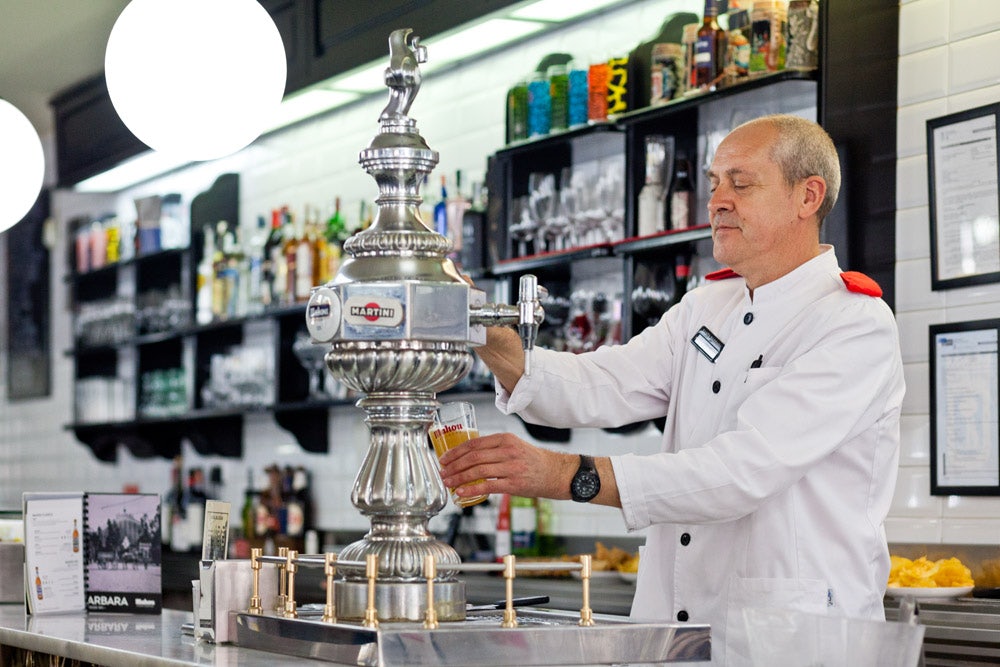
(710, 48)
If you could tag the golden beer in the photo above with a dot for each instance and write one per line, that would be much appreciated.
(448, 436)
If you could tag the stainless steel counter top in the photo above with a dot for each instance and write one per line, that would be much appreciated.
(126, 640)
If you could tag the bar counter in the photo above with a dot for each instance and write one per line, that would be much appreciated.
(125, 640)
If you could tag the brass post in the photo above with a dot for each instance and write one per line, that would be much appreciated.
(509, 615)
(279, 603)
(255, 564)
(330, 570)
(586, 613)
(293, 567)
(430, 571)
(371, 571)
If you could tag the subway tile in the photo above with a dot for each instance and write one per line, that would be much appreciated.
(971, 531)
(912, 234)
(923, 25)
(911, 181)
(973, 295)
(973, 17)
(974, 98)
(913, 531)
(912, 497)
(972, 312)
(913, 287)
(923, 76)
(913, 328)
(914, 440)
(917, 398)
(972, 63)
(972, 507)
(911, 125)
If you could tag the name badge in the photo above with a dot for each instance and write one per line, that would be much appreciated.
(708, 344)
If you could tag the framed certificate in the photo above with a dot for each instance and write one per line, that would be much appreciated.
(963, 170)
(965, 405)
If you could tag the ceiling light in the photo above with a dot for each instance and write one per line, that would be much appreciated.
(195, 78)
(476, 39)
(306, 105)
(22, 165)
(134, 170)
(557, 11)
(367, 79)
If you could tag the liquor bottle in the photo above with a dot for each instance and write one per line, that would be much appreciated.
(457, 206)
(206, 279)
(682, 196)
(441, 211)
(523, 526)
(304, 269)
(502, 543)
(267, 266)
(651, 215)
(336, 234)
(710, 48)
(76, 538)
(290, 251)
(321, 251)
(195, 500)
(219, 268)
(248, 510)
(238, 275)
(255, 266)
(38, 583)
(547, 541)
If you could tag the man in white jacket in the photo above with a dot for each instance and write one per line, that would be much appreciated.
(781, 381)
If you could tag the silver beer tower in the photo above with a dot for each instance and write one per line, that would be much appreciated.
(399, 319)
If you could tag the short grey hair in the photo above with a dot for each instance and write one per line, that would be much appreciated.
(804, 149)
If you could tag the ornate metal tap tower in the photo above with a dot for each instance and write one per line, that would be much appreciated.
(399, 320)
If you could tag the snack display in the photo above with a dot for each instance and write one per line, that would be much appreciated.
(923, 573)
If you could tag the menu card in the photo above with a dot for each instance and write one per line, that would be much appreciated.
(93, 552)
(53, 552)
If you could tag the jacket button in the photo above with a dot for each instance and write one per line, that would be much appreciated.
(748, 318)
(716, 387)
(682, 616)
(685, 539)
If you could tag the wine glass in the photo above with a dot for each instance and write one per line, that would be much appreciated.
(312, 358)
(541, 203)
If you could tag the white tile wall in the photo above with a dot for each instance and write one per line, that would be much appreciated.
(460, 114)
(947, 64)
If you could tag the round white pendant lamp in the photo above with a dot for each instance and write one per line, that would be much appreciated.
(198, 79)
(22, 165)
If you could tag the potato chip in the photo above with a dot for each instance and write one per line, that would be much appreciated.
(922, 573)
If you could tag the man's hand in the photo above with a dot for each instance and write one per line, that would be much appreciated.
(508, 464)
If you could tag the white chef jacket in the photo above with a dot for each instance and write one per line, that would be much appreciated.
(774, 481)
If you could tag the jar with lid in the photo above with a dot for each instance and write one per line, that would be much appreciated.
(738, 50)
(517, 112)
(767, 37)
(539, 105)
(803, 34)
(559, 96)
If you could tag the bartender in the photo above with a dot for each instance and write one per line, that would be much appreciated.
(781, 381)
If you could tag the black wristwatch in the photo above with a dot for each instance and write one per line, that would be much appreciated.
(586, 482)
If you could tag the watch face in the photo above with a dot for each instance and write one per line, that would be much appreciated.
(586, 484)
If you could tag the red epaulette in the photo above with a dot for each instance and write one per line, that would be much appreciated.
(721, 274)
(855, 281)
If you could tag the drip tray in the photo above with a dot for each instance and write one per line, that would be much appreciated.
(541, 638)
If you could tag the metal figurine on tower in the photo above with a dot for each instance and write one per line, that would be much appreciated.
(398, 320)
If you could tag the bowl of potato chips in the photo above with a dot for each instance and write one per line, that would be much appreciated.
(923, 578)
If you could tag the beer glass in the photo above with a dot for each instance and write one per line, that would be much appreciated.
(454, 423)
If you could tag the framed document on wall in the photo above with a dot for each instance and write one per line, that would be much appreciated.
(965, 406)
(963, 171)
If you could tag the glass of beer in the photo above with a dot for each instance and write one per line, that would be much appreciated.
(454, 423)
